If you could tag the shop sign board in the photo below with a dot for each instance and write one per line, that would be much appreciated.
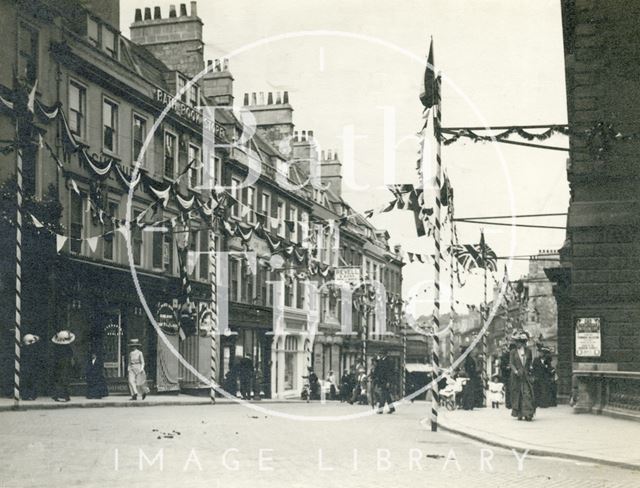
(588, 337)
(347, 275)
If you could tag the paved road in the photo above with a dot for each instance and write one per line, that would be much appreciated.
(232, 446)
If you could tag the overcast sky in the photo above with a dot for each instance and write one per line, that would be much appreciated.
(504, 57)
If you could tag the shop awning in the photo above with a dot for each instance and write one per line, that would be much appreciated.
(418, 368)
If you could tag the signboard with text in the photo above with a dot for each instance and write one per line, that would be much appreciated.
(347, 275)
(588, 337)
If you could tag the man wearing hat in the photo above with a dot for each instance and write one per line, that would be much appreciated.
(29, 367)
(522, 396)
(62, 364)
(136, 375)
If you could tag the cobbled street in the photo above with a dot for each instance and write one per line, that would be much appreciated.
(231, 445)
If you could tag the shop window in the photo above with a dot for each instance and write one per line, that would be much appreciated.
(27, 53)
(109, 126)
(77, 108)
(139, 135)
(290, 349)
(170, 154)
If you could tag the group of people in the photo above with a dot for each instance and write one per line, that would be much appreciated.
(242, 379)
(375, 387)
(523, 383)
(63, 364)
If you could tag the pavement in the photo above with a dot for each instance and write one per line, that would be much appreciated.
(269, 445)
(166, 400)
(556, 431)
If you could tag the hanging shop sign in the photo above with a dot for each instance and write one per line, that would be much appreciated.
(347, 275)
(166, 318)
(190, 113)
(588, 337)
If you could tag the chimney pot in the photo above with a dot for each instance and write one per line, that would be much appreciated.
(270, 98)
(295, 136)
(310, 133)
(138, 16)
(321, 155)
(147, 13)
(285, 97)
(194, 9)
(278, 98)
(172, 11)
(183, 10)
(329, 154)
(254, 98)
(246, 99)
(157, 13)
(261, 99)
(304, 135)
(335, 155)
(217, 65)
(225, 64)
(209, 62)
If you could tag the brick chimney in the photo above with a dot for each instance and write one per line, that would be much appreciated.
(274, 115)
(175, 39)
(217, 83)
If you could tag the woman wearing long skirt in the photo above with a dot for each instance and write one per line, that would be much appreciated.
(96, 382)
(522, 398)
(62, 364)
(136, 374)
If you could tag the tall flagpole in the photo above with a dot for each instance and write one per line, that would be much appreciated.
(18, 323)
(435, 351)
(484, 315)
(214, 300)
(451, 265)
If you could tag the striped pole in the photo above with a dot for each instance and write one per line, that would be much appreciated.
(484, 315)
(437, 184)
(18, 332)
(214, 302)
(404, 360)
(452, 307)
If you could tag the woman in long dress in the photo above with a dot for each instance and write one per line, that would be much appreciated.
(62, 364)
(522, 398)
(136, 374)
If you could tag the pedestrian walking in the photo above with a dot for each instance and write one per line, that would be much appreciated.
(96, 381)
(468, 390)
(522, 398)
(505, 373)
(383, 378)
(136, 374)
(544, 378)
(63, 363)
(30, 370)
(346, 386)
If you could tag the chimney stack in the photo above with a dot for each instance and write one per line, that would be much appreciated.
(217, 84)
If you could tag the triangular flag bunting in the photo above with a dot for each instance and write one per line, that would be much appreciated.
(60, 240)
(93, 243)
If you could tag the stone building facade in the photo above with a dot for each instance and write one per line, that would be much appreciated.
(599, 282)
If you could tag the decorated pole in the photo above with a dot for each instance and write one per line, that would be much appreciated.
(214, 300)
(485, 316)
(437, 185)
(451, 277)
(18, 332)
(404, 360)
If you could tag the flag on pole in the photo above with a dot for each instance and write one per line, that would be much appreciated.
(428, 96)
(471, 256)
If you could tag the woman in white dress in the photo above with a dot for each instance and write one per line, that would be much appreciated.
(137, 376)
